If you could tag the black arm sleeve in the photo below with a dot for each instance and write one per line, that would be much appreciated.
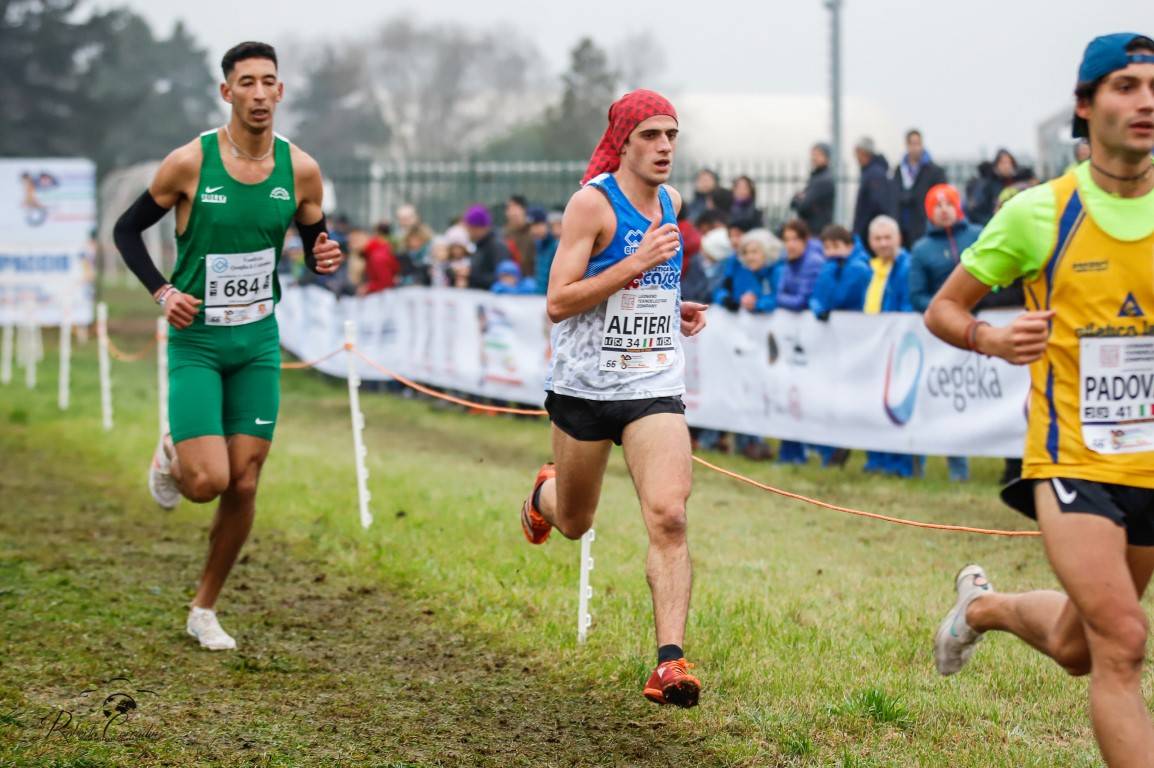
(126, 234)
(309, 234)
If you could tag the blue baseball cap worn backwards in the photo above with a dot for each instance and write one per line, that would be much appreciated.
(1104, 55)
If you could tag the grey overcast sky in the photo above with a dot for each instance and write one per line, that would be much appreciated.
(972, 74)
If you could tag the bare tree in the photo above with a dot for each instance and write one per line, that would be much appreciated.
(341, 120)
(640, 62)
(444, 89)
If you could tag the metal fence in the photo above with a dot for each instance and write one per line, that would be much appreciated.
(442, 190)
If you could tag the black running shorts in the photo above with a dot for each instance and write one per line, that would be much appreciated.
(593, 420)
(1127, 506)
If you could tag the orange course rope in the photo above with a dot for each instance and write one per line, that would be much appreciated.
(860, 513)
(310, 363)
(129, 357)
(742, 478)
(441, 395)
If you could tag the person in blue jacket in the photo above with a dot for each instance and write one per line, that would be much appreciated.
(932, 260)
(936, 254)
(749, 276)
(797, 275)
(509, 280)
(842, 282)
(888, 291)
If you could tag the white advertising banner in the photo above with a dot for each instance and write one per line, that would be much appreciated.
(470, 341)
(47, 250)
(879, 382)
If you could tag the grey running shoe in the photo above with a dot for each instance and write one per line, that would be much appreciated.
(161, 484)
(955, 640)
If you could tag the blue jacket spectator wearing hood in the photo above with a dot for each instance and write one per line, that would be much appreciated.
(749, 276)
(936, 255)
(888, 291)
(509, 280)
(842, 282)
(875, 195)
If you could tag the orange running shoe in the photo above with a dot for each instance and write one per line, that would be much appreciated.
(671, 683)
(535, 527)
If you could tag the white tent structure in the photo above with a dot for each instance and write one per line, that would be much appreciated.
(740, 126)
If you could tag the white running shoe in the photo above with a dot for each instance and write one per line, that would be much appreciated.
(161, 484)
(955, 640)
(202, 625)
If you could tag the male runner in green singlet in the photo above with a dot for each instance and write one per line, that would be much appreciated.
(236, 190)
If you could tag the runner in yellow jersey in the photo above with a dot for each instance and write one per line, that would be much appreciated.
(1084, 246)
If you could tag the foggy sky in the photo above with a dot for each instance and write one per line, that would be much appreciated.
(971, 75)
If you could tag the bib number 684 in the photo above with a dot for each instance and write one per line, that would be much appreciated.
(241, 288)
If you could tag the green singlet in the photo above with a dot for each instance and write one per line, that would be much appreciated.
(224, 369)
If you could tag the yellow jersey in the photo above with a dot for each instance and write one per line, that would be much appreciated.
(1091, 406)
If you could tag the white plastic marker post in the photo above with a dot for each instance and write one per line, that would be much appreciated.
(6, 354)
(65, 362)
(105, 368)
(162, 372)
(22, 345)
(358, 418)
(33, 351)
(35, 333)
(585, 593)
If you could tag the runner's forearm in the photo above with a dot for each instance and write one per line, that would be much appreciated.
(955, 324)
(585, 294)
(141, 215)
(947, 320)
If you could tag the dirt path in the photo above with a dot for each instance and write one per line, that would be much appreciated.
(331, 672)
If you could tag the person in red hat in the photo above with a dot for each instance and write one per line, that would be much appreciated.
(617, 372)
(1083, 246)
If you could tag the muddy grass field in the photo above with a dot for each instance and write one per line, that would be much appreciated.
(439, 638)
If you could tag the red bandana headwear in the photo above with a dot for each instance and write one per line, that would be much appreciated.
(625, 114)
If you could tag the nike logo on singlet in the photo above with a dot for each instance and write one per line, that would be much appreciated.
(210, 195)
(262, 422)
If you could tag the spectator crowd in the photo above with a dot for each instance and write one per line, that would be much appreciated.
(472, 252)
(908, 230)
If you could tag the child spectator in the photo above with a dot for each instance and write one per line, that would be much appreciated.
(510, 281)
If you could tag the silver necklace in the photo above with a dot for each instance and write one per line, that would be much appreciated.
(238, 152)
